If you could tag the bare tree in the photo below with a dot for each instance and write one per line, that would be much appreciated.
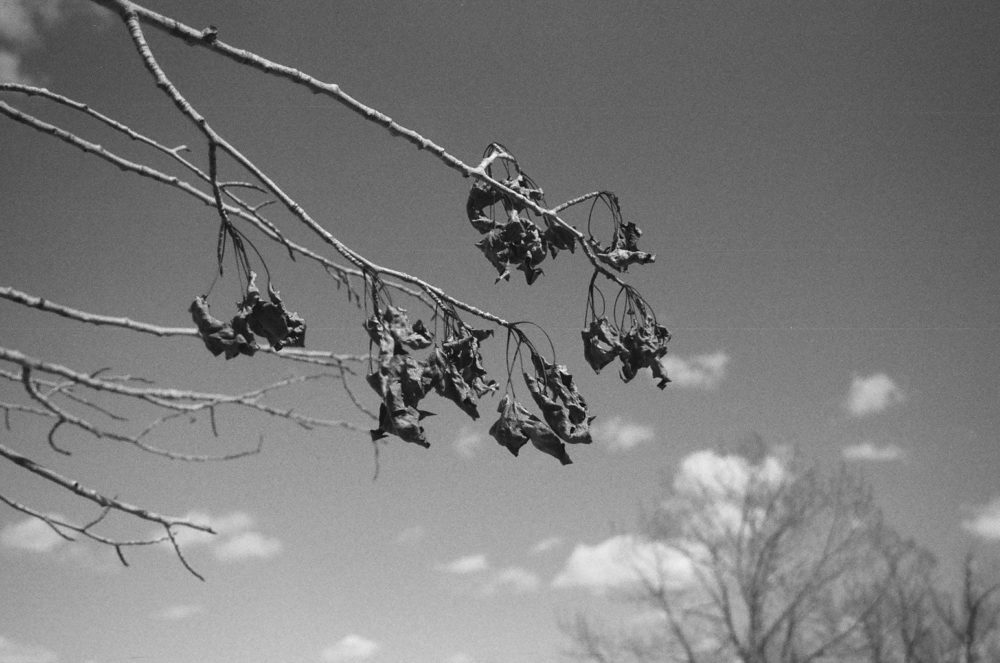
(758, 562)
(971, 619)
(519, 231)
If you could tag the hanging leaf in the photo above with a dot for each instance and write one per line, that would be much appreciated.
(558, 238)
(270, 319)
(402, 382)
(392, 331)
(620, 259)
(232, 338)
(562, 406)
(601, 344)
(481, 196)
(516, 426)
(645, 344)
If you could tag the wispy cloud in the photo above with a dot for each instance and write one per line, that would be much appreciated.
(872, 394)
(545, 545)
(22, 24)
(698, 372)
(15, 652)
(513, 579)
(11, 69)
(621, 561)
(468, 441)
(466, 565)
(351, 647)
(985, 520)
(236, 538)
(176, 613)
(32, 535)
(620, 435)
(867, 451)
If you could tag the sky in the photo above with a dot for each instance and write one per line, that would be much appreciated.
(818, 181)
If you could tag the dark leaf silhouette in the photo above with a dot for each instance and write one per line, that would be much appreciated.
(562, 406)
(481, 196)
(270, 319)
(232, 338)
(645, 344)
(392, 332)
(601, 344)
(402, 382)
(516, 426)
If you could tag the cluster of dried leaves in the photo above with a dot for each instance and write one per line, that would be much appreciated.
(267, 319)
(636, 339)
(453, 369)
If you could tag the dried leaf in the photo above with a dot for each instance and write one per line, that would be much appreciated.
(270, 319)
(645, 345)
(481, 196)
(232, 338)
(516, 425)
(601, 344)
(392, 332)
(402, 382)
(620, 259)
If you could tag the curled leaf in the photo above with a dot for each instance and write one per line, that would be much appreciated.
(392, 332)
(269, 319)
(402, 382)
(516, 426)
(562, 406)
(601, 344)
(481, 196)
(620, 259)
(645, 344)
(232, 338)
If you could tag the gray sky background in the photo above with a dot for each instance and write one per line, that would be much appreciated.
(819, 182)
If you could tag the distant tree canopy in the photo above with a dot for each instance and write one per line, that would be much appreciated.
(771, 561)
(409, 359)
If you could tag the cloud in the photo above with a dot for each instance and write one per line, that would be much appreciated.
(620, 435)
(466, 565)
(14, 652)
(235, 539)
(698, 372)
(468, 441)
(247, 545)
(31, 534)
(985, 520)
(176, 613)
(872, 394)
(545, 545)
(10, 69)
(351, 647)
(514, 579)
(621, 561)
(721, 475)
(866, 451)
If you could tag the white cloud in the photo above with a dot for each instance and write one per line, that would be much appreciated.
(468, 441)
(866, 451)
(351, 647)
(176, 613)
(247, 545)
(985, 520)
(872, 394)
(514, 579)
(10, 69)
(545, 545)
(621, 561)
(719, 475)
(460, 657)
(18, 17)
(14, 652)
(699, 372)
(620, 435)
(236, 537)
(31, 534)
(466, 565)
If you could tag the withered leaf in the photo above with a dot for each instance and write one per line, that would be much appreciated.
(562, 408)
(601, 344)
(620, 259)
(281, 328)
(516, 426)
(232, 338)
(392, 332)
(481, 196)
(645, 344)
(402, 382)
